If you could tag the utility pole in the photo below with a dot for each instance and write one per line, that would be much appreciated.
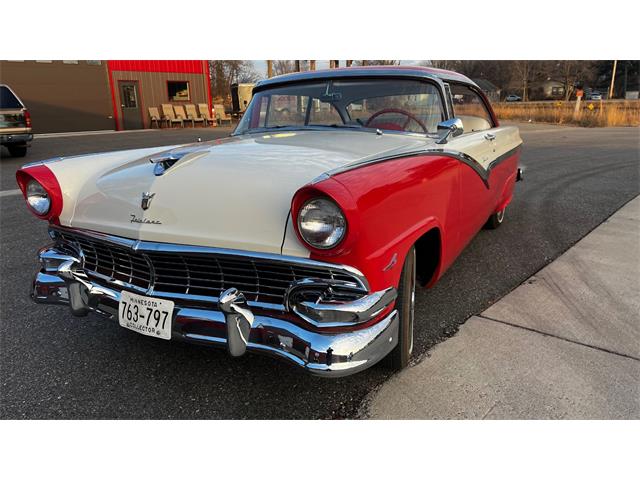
(613, 79)
(297, 65)
(269, 68)
(312, 64)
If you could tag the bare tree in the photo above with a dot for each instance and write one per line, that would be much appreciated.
(570, 72)
(365, 63)
(280, 67)
(522, 73)
(225, 72)
(444, 64)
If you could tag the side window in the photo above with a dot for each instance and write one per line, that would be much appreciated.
(469, 107)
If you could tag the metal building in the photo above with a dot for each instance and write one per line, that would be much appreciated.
(87, 95)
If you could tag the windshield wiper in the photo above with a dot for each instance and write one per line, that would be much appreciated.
(338, 125)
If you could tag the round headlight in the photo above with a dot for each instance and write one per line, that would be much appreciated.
(38, 198)
(321, 223)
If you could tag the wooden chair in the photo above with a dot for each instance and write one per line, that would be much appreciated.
(221, 114)
(154, 116)
(206, 114)
(180, 113)
(192, 114)
(170, 116)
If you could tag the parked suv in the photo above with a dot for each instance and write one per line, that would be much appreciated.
(15, 123)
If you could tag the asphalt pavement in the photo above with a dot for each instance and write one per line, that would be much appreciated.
(53, 365)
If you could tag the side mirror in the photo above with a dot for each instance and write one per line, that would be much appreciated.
(449, 128)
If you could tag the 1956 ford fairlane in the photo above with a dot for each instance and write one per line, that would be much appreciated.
(303, 235)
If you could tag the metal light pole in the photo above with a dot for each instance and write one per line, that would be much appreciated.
(613, 79)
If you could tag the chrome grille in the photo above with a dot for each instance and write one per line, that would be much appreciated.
(194, 274)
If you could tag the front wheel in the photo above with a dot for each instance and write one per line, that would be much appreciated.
(496, 219)
(405, 304)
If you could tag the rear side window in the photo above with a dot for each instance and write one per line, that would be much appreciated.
(8, 99)
(469, 107)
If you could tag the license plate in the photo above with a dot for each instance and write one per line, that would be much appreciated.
(146, 315)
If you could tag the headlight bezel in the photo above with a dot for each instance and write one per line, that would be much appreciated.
(327, 202)
(36, 191)
(46, 178)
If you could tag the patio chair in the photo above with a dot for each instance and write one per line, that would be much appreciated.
(180, 113)
(154, 116)
(221, 115)
(206, 114)
(192, 114)
(170, 115)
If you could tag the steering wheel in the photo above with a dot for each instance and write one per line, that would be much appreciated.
(410, 116)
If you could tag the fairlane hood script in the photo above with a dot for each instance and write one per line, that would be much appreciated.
(231, 193)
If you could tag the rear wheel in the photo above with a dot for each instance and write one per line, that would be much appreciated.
(405, 304)
(496, 219)
(17, 150)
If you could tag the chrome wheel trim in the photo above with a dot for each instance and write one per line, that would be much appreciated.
(500, 215)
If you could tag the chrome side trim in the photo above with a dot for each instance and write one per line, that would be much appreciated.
(462, 157)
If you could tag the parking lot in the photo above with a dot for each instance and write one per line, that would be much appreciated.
(53, 365)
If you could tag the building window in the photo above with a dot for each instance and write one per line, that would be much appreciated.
(94, 62)
(178, 91)
(70, 62)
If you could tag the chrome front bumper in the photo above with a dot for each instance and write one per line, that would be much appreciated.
(231, 323)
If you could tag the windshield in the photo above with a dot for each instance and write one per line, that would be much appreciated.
(386, 104)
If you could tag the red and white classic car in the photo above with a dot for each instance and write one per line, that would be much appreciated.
(303, 235)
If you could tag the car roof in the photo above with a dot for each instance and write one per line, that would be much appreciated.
(373, 71)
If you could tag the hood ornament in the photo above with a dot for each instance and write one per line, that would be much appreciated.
(146, 199)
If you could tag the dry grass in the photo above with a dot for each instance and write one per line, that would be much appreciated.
(591, 114)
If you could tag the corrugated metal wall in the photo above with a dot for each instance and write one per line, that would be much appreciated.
(76, 95)
(152, 77)
(181, 66)
(153, 92)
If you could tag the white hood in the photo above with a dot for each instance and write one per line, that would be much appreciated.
(232, 193)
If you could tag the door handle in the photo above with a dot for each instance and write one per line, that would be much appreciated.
(489, 136)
